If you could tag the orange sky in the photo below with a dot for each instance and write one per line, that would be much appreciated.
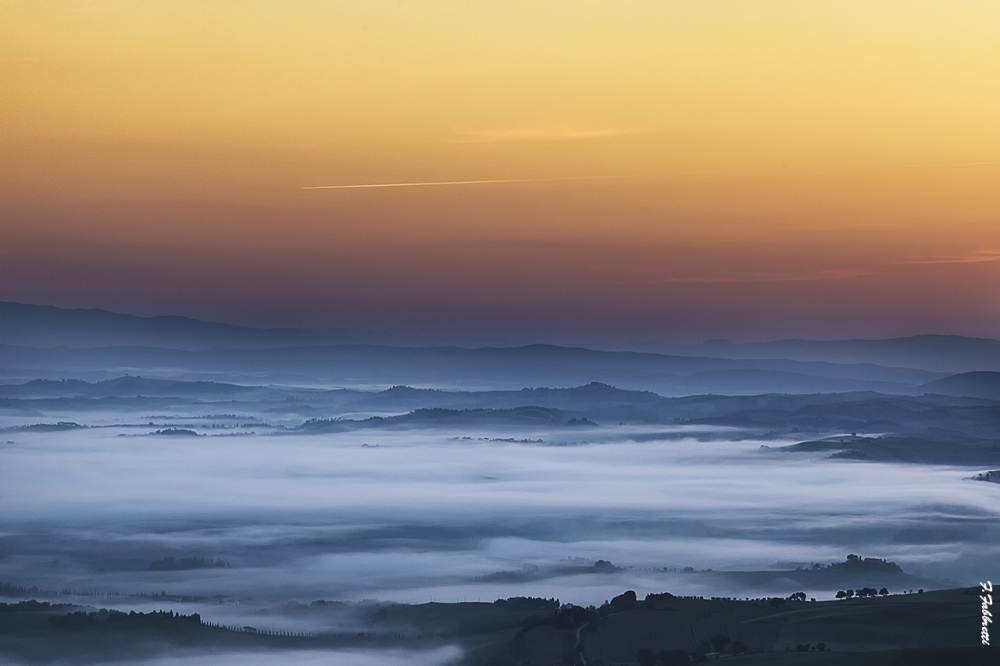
(747, 170)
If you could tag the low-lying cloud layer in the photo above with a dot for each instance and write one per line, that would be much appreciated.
(414, 516)
(437, 657)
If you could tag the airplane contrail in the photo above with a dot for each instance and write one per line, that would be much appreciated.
(444, 182)
(492, 181)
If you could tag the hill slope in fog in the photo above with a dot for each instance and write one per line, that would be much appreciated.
(936, 353)
(456, 367)
(49, 326)
(979, 384)
(866, 425)
(928, 628)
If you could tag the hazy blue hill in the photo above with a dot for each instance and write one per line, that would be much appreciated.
(57, 406)
(141, 343)
(929, 428)
(784, 413)
(49, 342)
(47, 388)
(455, 367)
(935, 416)
(979, 384)
(61, 426)
(934, 422)
(449, 418)
(750, 381)
(686, 369)
(591, 396)
(49, 326)
(940, 451)
(121, 387)
(937, 353)
(129, 386)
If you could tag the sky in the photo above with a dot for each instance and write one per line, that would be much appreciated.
(669, 171)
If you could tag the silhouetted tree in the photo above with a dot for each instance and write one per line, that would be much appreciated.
(720, 641)
(623, 601)
(883, 592)
(674, 658)
(646, 657)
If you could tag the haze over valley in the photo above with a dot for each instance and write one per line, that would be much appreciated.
(495, 473)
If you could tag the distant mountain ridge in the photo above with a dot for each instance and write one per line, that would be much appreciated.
(46, 326)
(921, 429)
(118, 387)
(39, 342)
(437, 417)
(49, 326)
(937, 353)
(380, 366)
(977, 384)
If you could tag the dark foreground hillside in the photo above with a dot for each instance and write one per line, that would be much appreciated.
(940, 627)
(947, 619)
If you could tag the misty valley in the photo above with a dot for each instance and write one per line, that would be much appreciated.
(497, 512)
(177, 490)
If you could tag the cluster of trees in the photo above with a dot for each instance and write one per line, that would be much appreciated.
(8, 590)
(816, 566)
(718, 644)
(646, 657)
(528, 603)
(567, 617)
(183, 432)
(578, 615)
(862, 593)
(722, 643)
(153, 618)
(805, 647)
(30, 606)
(652, 598)
(869, 563)
(185, 563)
